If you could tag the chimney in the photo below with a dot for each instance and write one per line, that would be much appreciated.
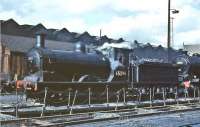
(40, 40)
(80, 47)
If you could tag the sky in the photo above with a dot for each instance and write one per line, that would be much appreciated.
(141, 20)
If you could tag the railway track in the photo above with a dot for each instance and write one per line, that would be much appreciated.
(36, 110)
(79, 118)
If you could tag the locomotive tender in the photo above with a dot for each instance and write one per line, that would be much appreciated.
(101, 76)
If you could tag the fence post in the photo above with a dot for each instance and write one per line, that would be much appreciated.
(140, 95)
(107, 96)
(89, 98)
(16, 92)
(124, 95)
(199, 94)
(194, 93)
(44, 105)
(117, 101)
(150, 97)
(164, 99)
(69, 97)
(176, 96)
(73, 101)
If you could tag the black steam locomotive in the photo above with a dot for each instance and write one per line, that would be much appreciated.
(101, 77)
(71, 71)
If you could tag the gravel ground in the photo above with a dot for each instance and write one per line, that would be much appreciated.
(7, 100)
(186, 119)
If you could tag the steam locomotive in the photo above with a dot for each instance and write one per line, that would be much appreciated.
(98, 77)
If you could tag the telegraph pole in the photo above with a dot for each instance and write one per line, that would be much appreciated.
(174, 11)
(169, 30)
(172, 31)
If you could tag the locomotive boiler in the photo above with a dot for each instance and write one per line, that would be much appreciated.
(55, 65)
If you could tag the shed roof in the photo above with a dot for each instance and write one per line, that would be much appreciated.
(11, 27)
(23, 44)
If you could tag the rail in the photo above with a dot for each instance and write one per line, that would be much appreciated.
(79, 118)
